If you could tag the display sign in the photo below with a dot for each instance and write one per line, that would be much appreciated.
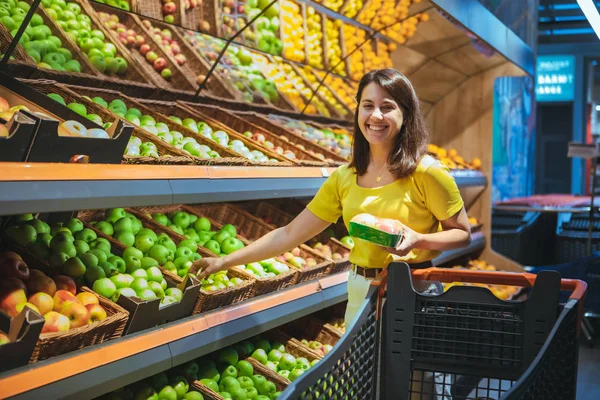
(554, 78)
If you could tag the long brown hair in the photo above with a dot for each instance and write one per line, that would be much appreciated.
(411, 143)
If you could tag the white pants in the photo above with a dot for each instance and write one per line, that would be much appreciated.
(358, 287)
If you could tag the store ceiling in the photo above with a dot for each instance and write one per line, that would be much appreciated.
(562, 21)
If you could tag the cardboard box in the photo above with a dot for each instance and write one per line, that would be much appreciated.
(23, 332)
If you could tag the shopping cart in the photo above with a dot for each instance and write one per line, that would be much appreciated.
(462, 344)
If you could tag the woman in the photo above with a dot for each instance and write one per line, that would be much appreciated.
(390, 176)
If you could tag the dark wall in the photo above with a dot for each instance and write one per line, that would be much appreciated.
(519, 15)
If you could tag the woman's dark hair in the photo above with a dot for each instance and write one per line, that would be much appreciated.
(411, 143)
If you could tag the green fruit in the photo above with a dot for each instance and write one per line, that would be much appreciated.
(87, 235)
(74, 225)
(193, 396)
(123, 224)
(175, 293)
(122, 65)
(100, 255)
(149, 232)
(228, 384)
(100, 101)
(125, 237)
(159, 253)
(74, 268)
(148, 262)
(44, 238)
(202, 224)
(109, 269)
(78, 108)
(40, 249)
(139, 284)
(112, 66)
(140, 273)
(72, 66)
(99, 63)
(157, 289)
(154, 274)
(181, 386)
(213, 246)
(144, 242)
(105, 287)
(89, 260)
(35, 55)
(39, 226)
(118, 262)
(211, 384)
(95, 118)
(25, 235)
(228, 356)
(93, 274)
(57, 260)
(120, 281)
(81, 247)
(245, 369)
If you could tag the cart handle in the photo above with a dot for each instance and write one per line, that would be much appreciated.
(523, 279)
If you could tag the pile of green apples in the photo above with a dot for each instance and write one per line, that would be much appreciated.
(37, 40)
(162, 386)
(265, 269)
(81, 110)
(101, 52)
(273, 355)
(266, 26)
(227, 373)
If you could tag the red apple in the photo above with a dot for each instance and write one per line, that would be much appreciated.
(67, 283)
(61, 297)
(35, 272)
(200, 79)
(131, 32)
(123, 40)
(180, 58)
(96, 313)
(144, 49)
(296, 251)
(160, 64)
(9, 302)
(55, 322)
(130, 41)
(8, 254)
(77, 313)
(86, 298)
(41, 284)
(4, 106)
(193, 3)
(43, 302)
(11, 265)
(169, 8)
(9, 284)
(175, 48)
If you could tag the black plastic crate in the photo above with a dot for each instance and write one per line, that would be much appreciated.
(572, 236)
(518, 235)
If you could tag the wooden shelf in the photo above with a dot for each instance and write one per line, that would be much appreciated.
(43, 187)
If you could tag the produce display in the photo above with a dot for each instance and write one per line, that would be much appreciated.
(346, 90)
(38, 41)
(334, 48)
(314, 38)
(276, 357)
(284, 85)
(352, 8)
(292, 31)
(451, 159)
(102, 53)
(77, 129)
(501, 291)
(316, 103)
(309, 74)
(358, 60)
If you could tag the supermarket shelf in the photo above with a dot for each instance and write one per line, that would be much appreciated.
(100, 369)
(42, 187)
(477, 244)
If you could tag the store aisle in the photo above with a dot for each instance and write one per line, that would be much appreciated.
(588, 381)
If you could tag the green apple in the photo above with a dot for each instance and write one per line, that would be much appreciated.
(105, 227)
(287, 362)
(44, 238)
(229, 383)
(61, 242)
(118, 262)
(105, 287)
(40, 249)
(78, 108)
(120, 281)
(161, 219)
(181, 386)
(258, 380)
(221, 236)
(157, 289)
(174, 292)
(86, 234)
(163, 284)
(266, 388)
(123, 225)
(260, 355)
(154, 274)
(175, 229)
(238, 393)
(229, 371)
(193, 396)
(229, 228)
(262, 344)
(139, 284)
(39, 226)
(284, 372)
(140, 273)
(74, 224)
(26, 235)
(231, 244)
(126, 291)
(190, 244)
(245, 381)
(275, 355)
(148, 262)
(159, 253)
(146, 295)
(57, 260)
(152, 234)
(302, 363)
(184, 252)
(132, 263)
(244, 368)
(101, 244)
(100, 255)
(144, 242)
(114, 214)
(81, 247)
(100, 101)
(125, 237)
(295, 373)
(251, 393)
(92, 274)
(109, 269)
(181, 219)
(213, 246)
(210, 383)
(167, 393)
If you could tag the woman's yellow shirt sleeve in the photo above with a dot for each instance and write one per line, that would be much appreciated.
(440, 191)
(327, 203)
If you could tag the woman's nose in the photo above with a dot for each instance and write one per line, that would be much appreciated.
(377, 114)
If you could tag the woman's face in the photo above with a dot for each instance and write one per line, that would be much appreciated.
(379, 116)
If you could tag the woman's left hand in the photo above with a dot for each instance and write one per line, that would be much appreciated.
(410, 240)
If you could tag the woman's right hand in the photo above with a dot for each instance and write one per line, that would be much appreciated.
(207, 266)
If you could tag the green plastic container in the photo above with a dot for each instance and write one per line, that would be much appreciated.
(374, 235)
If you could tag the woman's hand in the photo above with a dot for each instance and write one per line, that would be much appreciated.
(410, 240)
(207, 266)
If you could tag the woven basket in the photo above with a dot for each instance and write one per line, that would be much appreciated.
(19, 53)
(228, 214)
(280, 382)
(241, 125)
(252, 145)
(208, 393)
(194, 65)
(206, 300)
(211, 12)
(57, 343)
(154, 9)
(164, 148)
(292, 346)
(179, 80)
(134, 71)
(268, 125)
(313, 329)
(162, 160)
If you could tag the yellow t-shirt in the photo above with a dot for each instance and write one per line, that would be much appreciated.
(420, 201)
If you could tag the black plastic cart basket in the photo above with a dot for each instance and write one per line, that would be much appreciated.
(462, 344)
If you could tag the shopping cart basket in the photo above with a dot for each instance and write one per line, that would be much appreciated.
(462, 344)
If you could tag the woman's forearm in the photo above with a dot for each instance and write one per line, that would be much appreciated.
(444, 240)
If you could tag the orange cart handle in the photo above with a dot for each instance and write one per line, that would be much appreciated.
(523, 279)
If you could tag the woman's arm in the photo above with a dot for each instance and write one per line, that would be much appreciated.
(305, 226)
(456, 233)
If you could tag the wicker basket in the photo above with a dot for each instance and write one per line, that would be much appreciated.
(292, 346)
(252, 145)
(280, 382)
(211, 13)
(179, 80)
(57, 343)
(19, 54)
(208, 393)
(154, 9)
(206, 300)
(277, 129)
(313, 329)
(164, 148)
(241, 125)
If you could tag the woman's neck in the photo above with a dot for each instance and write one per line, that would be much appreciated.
(379, 155)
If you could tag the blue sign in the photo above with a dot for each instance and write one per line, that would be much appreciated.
(554, 77)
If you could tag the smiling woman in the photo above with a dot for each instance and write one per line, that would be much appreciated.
(390, 176)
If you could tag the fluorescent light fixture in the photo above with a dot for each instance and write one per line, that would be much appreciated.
(598, 108)
(591, 13)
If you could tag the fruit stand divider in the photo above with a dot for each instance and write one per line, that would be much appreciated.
(282, 161)
(206, 300)
(229, 157)
(134, 70)
(270, 126)
(179, 80)
(227, 215)
(278, 218)
(240, 125)
(56, 343)
(252, 228)
(147, 314)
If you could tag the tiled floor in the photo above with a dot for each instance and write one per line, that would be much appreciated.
(588, 380)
